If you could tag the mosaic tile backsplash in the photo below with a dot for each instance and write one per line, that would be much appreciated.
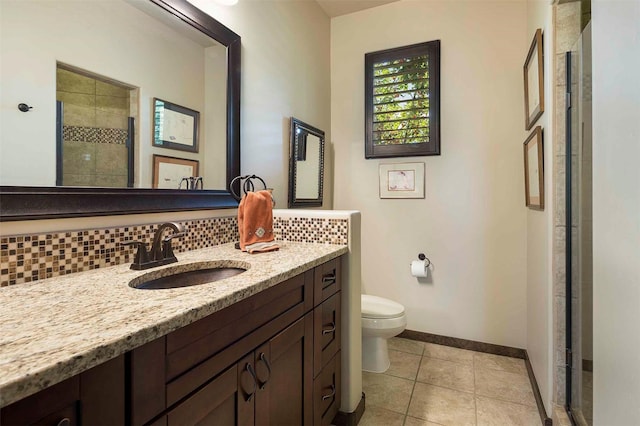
(26, 258)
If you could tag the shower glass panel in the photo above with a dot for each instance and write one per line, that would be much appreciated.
(579, 240)
(95, 131)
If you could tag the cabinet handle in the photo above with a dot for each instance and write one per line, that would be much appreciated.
(249, 368)
(329, 279)
(64, 422)
(263, 358)
(331, 395)
(330, 330)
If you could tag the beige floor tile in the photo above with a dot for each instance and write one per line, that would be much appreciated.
(442, 405)
(406, 345)
(403, 364)
(376, 416)
(412, 421)
(493, 412)
(448, 353)
(445, 373)
(503, 385)
(498, 362)
(391, 393)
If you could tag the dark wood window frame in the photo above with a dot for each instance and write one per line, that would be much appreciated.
(431, 147)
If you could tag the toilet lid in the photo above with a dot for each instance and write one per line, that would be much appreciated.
(379, 307)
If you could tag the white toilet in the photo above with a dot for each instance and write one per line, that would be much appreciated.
(381, 319)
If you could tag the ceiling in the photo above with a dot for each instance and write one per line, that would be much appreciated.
(335, 8)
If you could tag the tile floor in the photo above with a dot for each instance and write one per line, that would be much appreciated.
(430, 384)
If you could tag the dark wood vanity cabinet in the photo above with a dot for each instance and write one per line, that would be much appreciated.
(95, 397)
(271, 385)
(270, 359)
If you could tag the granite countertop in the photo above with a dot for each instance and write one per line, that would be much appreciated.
(53, 329)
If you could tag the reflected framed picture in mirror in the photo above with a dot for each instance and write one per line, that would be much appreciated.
(306, 165)
(169, 172)
(175, 126)
(534, 170)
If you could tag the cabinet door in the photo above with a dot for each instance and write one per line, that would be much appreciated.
(95, 397)
(326, 332)
(226, 400)
(54, 405)
(326, 393)
(284, 372)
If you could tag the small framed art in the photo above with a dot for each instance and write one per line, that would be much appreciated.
(402, 180)
(534, 170)
(534, 81)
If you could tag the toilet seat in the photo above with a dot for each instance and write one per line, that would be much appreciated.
(380, 308)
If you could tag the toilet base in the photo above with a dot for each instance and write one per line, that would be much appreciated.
(375, 354)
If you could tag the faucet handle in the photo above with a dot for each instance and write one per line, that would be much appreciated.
(141, 256)
(167, 249)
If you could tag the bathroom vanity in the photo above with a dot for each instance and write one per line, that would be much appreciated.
(263, 345)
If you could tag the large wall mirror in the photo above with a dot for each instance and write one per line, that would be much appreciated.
(306, 165)
(91, 73)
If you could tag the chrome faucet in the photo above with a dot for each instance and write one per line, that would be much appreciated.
(161, 250)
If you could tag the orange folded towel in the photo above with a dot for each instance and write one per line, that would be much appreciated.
(255, 222)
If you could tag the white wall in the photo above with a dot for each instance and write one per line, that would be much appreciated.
(539, 224)
(285, 72)
(616, 211)
(472, 223)
(133, 48)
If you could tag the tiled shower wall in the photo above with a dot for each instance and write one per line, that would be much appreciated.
(26, 258)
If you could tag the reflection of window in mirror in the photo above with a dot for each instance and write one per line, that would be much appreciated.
(95, 126)
(301, 145)
(307, 182)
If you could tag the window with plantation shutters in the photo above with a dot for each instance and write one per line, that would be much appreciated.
(402, 101)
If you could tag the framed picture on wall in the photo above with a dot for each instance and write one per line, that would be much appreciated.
(534, 81)
(175, 126)
(168, 172)
(534, 170)
(402, 180)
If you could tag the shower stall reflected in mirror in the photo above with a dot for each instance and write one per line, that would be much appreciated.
(579, 253)
(94, 129)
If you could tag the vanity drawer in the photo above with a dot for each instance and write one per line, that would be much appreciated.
(326, 280)
(326, 332)
(326, 393)
(197, 342)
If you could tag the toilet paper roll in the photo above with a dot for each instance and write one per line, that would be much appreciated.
(419, 268)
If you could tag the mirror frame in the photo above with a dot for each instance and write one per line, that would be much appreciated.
(304, 202)
(32, 203)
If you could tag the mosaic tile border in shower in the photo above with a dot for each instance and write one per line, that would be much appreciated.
(94, 135)
(26, 258)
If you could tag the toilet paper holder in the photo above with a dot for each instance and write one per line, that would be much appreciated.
(421, 256)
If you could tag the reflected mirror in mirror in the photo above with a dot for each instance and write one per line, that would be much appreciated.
(91, 71)
(306, 165)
